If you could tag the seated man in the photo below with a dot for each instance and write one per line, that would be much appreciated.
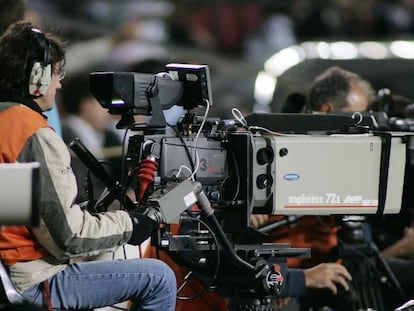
(40, 258)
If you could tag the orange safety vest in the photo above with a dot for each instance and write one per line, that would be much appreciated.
(17, 124)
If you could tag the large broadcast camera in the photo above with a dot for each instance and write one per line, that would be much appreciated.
(213, 174)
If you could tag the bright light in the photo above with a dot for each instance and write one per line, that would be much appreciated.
(283, 60)
(403, 49)
(310, 49)
(264, 88)
(373, 50)
(289, 57)
(316, 49)
(343, 50)
(324, 50)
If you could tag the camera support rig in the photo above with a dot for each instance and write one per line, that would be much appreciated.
(268, 176)
(254, 271)
(261, 277)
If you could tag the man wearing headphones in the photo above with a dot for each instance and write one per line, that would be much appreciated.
(40, 258)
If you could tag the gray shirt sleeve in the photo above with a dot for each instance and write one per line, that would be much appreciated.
(65, 229)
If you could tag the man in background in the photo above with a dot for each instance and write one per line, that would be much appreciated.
(336, 91)
(84, 118)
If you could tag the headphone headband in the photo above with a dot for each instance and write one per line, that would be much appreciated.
(44, 45)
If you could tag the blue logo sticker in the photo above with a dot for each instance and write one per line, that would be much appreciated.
(291, 177)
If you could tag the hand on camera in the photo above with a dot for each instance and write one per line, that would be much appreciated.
(258, 220)
(408, 243)
(327, 275)
(143, 226)
(404, 248)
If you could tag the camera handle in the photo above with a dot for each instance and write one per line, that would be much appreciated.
(272, 275)
(115, 190)
(166, 206)
(205, 206)
(289, 220)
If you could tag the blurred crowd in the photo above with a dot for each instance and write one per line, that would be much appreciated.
(233, 37)
(229, 27)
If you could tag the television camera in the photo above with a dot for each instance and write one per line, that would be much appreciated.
(213, 174)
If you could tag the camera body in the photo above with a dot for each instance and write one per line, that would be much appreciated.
(213, 175)
(289, 175)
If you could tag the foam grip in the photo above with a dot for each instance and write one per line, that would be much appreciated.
(146, 175)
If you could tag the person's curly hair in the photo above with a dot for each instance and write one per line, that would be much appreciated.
(19, 50)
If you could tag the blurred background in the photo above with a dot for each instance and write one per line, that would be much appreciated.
(258, 51)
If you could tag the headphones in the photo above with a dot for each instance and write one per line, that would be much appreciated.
(41, 72)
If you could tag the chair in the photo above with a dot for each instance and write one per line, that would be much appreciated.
(9, 295)
(8, 292)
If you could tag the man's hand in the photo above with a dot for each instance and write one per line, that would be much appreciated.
(404, 248)
(327, 275)
(258, 220)
(143, 226)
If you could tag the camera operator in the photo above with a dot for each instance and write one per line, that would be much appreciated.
(85, 119)
(319, 274)
(339, 90)
(394, 235)
(333, 90)
(39, 258)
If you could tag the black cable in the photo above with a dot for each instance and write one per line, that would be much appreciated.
(236, 168)
(216, 271)
(120, 308)
(187, 150)
(114, 190)
(123, 175)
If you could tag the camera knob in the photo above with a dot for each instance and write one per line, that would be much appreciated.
(214, 196)
(265, 156)
(264, 181)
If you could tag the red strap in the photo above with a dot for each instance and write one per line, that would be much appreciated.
(46, 295)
